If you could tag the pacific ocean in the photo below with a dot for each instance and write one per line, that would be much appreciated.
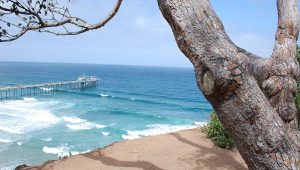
(129, 102)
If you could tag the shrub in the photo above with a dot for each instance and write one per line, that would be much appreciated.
(298, 53)
(217, 133)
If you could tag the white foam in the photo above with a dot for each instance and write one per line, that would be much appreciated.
(10, 130)
(131, 135)
(5, 141)
(105, 133)
(48, 139)
(155, 129)
(62, 151)
(65, 105)
(8, 167)
(98, 126)
(29, 99)
(81, 126)
(200, 124)
(76, 123)
(84, 126)
(29, 114)
(73, 119)
(19, 143)
(104, 95)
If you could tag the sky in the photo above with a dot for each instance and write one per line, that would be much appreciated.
(139, 35)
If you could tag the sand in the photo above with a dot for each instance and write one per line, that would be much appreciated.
(188, 149)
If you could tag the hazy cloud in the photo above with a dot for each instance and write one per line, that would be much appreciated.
(253, 42)
(141, 22)
(140, 35)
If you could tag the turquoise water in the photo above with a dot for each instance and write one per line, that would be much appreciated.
(130, 102)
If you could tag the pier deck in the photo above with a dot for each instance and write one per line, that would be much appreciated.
(47, 88)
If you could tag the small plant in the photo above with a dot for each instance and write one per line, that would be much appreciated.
(298, 53)
(217, 133)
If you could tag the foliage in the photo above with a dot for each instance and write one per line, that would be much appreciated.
(298, 53)
(217, 133)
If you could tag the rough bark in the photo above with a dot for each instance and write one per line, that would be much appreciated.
(253, 96)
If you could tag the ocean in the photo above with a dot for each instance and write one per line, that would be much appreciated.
(129, 102)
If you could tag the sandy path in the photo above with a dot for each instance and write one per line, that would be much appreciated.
(188, 149)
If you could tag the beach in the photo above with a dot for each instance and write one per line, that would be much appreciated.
(186, 149)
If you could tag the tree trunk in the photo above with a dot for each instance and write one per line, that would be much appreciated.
(253, 96)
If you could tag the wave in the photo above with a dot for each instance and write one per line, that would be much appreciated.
(73, 119)
(200, 124)
(19, 143)
(62, 151)
(11, 130)
(29, 99)
(81, 126)
(5, 141)
(105, 133)
(76, 123)
(80, 93)
(8, 167)
(159, 96)
(155, 129)
(89, 94)
(138, 114)
(165, 103)
(48, 139)
(29, 114)
(84, 126)
(147, 101)
(98, 126)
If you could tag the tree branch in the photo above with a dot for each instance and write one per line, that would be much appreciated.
(227, 75)
(43, 24)
(283, 69)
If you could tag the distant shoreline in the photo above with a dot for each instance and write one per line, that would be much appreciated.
(186, 149)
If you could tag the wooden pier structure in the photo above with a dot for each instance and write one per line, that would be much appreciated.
(82, 82)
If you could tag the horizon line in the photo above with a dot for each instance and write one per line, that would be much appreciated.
(109, 64)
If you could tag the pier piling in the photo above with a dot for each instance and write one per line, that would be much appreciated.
(47, 88)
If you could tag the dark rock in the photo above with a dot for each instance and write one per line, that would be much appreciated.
(20, 167)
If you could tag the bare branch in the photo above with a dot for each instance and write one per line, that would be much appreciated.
(18, 17)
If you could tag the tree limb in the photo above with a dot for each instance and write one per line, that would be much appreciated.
(283, 68)
(34, 21)
(227, 75)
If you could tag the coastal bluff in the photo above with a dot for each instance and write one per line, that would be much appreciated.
(187, 149)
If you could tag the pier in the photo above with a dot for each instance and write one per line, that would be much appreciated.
(82, 82)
